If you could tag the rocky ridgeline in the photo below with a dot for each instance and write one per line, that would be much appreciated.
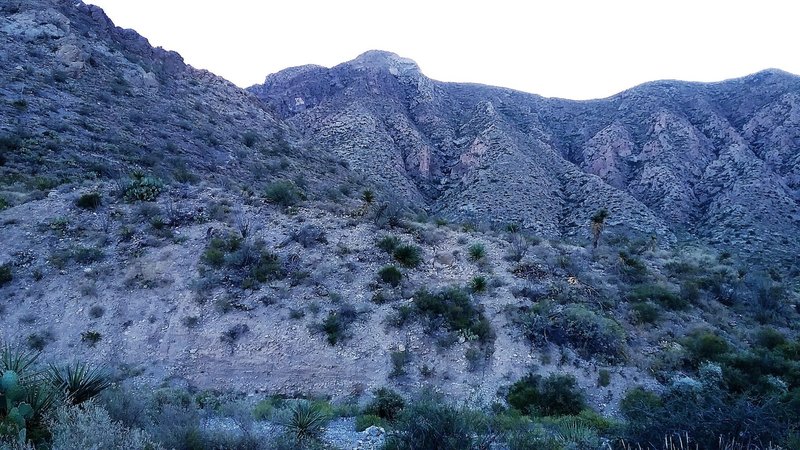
(714, 161)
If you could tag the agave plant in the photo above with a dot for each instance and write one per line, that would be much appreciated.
(304, 420)
(79, 382)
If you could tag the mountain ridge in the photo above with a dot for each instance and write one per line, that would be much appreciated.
(664, 144)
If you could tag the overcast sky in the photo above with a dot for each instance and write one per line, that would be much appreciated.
(562, 48)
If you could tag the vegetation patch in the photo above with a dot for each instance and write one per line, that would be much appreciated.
(247, 263)
(283, 193)
(142, 188)
(555, 395)
(588, 332)
(454, 308)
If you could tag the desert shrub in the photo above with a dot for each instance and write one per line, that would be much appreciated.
(705, 412)
(96, 311)
(603, 378)
(430, 423)
(91, 337)
(336, 323)
(408, 255)
(234, 333)
(364, 421)
(646, 312)
(454, 308)
(389, 243)
(91, 427)
(476, 251)
(247, 263)
(402, 315)
(590, 333)
(92, 200)
(388, 214)
(659, 294)
(283, 193)
(142, 188)
(250, 138)
(87, 255)
(770, 338)
(5, 274)
(264, 409)
(478, 284)
(390, 275)
(400, 359)
(705, 345)
(558, 394)
(631, 267)
(387, 404)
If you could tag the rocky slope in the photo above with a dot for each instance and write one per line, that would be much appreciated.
(714, 161)
(157, 219)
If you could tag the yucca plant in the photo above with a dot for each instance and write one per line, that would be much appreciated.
(17, 360)
(79, 382)
(304, 420)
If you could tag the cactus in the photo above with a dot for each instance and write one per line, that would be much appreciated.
(19, 414)
(11, 391)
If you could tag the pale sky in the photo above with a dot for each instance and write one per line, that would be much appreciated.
(559, 48)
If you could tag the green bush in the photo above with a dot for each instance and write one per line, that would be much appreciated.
(87, 255)
(387, 404)
(766, 337)
(336, 323)
(5, 274)
(429, 424)
(631, 267)
(658, 294)
(142, 188)
(283, 193)
(389, 243)
(646, 312)
(478, 284)
(603, 378)
(704, 345)
(92, 200)
(590, 333)
(476, 251)
(246, 263)
(408, 255)
(455, 308)
(556, 395)
(400, 359)
(705, 412)
(364, 421)
(90, 427)
(390, 275)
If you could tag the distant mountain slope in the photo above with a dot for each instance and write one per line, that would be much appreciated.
(717, 161)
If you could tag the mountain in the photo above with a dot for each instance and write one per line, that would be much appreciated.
(716, 162)
(365, 234)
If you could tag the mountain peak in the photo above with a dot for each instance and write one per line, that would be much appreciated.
(383, 60)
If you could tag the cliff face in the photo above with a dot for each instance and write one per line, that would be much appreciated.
(716, 161)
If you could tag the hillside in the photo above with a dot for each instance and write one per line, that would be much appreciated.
(224, 253)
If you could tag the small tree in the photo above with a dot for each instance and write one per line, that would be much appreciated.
(598, 223)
